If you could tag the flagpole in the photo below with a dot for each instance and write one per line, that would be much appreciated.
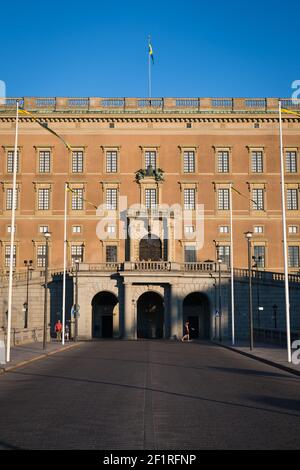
(231, 269)
(149, 67)
(285, 251)
(65, 267)
(12, 237)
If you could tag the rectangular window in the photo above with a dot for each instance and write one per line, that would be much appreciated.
(111, 254)
(150, 198)
(41, 256)
(190, 199)
(291, 162)
(77, 199)
(76, 253)
(257, 162)
(190, 254)
(293, 229)
(10, 161)
(189, 162)
(260, 255)
(224, 254)
(189, 229)
(77, 161)
(44, 228)
(9, 198)
(44, 199)
(9, 229)
(258, 229)
(111, 229)
(44, 161)
(292, 199)
(223, 200)
(111, 199)
(76, 229)
(258, 203)
(223, 161)
(111, 161)
(293, 256)
(7, 256)
(150, 159)
(224, 229)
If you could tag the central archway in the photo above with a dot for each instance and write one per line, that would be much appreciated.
(150, 316)
(150, 248)
(104, 305)
(196, 310)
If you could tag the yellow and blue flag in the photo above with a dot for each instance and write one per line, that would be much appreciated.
(151, 53)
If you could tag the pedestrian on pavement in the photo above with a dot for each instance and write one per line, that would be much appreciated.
(58, 330)
(67, 332)
(186, 332)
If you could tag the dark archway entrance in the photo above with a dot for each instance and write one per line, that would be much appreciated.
(103, 306)
(150, 316)
(196, 309)
(150, 248)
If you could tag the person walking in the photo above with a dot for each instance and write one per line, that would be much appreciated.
(58, 330)
(186, 332)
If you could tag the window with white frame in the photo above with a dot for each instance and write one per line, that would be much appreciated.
(9, 229)
(111, 253)
(77, 199)
(44, 228)
(150, 159)
(10, 161)
(76, 253)
(41, 256)
(150, 198)
(291, 162)
(76, 229)
(257, 159)
(43, 199)
(77, 161)
(9, 199)
(111, 229)
(293, 255)
(189, 199)
(258, 199)
(223, 199)
(293, 229)
(292, 199)
(7, 256)
(224, 254)
(189, 229)
(258, 229)
(224, 229)
(111, 161)
(260, 255)
(111, 199)
(189, 161)
(223, 161)
(44, 161)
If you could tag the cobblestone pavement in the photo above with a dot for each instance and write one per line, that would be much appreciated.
(149, 395)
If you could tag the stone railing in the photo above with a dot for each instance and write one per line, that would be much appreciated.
(147, 266)
(266, 275)
(46, 105)
(274, 335)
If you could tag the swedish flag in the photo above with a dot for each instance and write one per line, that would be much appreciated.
(151, 53)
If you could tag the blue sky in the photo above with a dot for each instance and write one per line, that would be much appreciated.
(99, 48)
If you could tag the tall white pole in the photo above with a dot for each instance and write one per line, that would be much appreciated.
(285, 249)
(231, 270)
(12, 238)
(149, 68)
(65, 267)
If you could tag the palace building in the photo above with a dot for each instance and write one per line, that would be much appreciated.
(159, 172)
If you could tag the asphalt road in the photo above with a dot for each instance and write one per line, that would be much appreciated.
(149, 395)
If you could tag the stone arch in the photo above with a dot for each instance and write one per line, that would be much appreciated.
(150, 315)
(105, 307)
(196, 308)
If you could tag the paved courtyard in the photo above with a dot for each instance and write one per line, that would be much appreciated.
(149, 395)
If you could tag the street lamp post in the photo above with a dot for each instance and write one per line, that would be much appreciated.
(47, 236)
(257, 263)
(77, 261)
(28, 265)
(219, 261)
(248, 236)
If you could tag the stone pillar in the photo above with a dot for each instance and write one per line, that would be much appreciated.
(129, 323)
(175, 313)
